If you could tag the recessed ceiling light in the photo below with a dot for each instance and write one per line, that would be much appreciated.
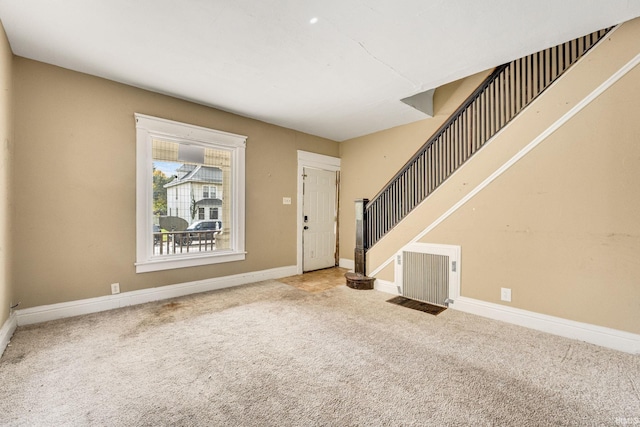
(313, 20)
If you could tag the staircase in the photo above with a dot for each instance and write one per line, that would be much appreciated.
(508, 90)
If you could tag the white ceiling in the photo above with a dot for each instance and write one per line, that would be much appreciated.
(342, 77)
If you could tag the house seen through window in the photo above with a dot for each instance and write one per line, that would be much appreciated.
(183, 192)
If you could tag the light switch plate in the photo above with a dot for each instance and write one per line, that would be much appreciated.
(286, 200)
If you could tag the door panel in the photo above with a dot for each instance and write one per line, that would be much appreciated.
(319, 210)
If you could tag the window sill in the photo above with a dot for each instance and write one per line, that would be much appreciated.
(189, 261)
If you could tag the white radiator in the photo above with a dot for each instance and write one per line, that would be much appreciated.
(428, 273)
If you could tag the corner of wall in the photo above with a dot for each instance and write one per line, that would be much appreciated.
(6, 137)
(6, 332)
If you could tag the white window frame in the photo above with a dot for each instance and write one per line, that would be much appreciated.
(148, 128)
(212, 190)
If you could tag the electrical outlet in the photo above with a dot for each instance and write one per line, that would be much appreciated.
(115, 288)
(286, 200)
(505, 294)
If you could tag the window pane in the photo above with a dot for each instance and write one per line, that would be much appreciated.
(183, 189)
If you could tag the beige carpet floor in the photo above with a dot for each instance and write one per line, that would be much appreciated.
(269, 354)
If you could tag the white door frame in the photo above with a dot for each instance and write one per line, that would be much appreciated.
(309, 160)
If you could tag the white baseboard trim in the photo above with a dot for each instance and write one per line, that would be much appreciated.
(6, 332)
(599, 335)
(347, 263)
(45, 313)
(385, 286)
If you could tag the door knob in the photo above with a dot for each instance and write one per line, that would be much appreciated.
(306, 228)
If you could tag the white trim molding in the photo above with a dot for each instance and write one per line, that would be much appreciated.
(386, 287)
(599, 335)
(149, 128)
(309, 160)
(6, 332)
(347, 263)
(45, 313)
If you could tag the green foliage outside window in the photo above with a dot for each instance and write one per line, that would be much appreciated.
(159, 192)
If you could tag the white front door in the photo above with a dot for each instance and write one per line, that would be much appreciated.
(319, 221)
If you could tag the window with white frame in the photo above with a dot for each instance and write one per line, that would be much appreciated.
(208, 192)
(180, 168)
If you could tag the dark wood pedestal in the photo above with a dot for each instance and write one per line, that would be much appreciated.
(358, 281)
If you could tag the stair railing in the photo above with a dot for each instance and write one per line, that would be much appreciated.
(500, 97)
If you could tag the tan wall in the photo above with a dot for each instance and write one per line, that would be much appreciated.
(561, 227)
(370, 161)
(74, 174)
(6, 58)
